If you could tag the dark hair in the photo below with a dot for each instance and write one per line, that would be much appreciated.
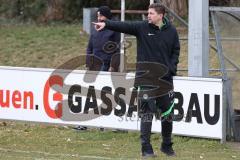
(105, 11)
(160, 9)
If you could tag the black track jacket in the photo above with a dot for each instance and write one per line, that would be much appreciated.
(153, 44)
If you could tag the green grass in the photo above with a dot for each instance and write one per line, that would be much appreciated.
(40, 46)
(51, 46)
(38, 141)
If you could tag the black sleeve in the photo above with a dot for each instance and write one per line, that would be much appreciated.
(115, 59)
(175, 54)
(124, 27)
(116, 39)
(89, 51)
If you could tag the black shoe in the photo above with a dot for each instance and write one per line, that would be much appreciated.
(102, 129)
(167, 149)
(147, 152)
(119, 131)
(80, 128)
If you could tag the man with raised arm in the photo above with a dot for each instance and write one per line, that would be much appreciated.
(157, 42)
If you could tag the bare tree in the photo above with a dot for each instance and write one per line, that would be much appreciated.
(178, 6)
(54, 11)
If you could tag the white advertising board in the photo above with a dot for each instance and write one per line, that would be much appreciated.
(101, 99)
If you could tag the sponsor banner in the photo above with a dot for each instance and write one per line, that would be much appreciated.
(104, 99)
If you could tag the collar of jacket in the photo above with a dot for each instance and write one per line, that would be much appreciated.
(165, 25)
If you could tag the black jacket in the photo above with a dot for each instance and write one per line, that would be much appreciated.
(96, 44)
(153, 44)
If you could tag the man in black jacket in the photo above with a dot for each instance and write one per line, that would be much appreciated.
(102, 53)
(102, 45)
(157, 43)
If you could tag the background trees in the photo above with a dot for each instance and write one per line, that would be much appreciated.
(71, 10)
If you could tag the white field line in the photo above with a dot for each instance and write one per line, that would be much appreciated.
(59, 154)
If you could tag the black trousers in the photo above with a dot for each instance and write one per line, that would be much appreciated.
(149, 107)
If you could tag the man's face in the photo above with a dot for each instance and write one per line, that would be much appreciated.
(154, 17)
(101, 17)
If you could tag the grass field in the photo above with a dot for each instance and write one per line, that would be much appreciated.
(36, 141)
(40, 46)
(49, 47)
